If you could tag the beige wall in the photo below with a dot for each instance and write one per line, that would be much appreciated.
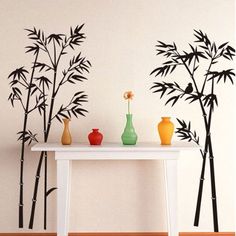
(121, 35)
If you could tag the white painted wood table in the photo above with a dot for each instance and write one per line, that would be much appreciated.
(64, 156)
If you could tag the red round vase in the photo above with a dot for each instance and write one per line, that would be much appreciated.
(95, 137)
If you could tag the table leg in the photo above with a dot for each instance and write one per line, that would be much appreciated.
(171, 196)
(63, 196)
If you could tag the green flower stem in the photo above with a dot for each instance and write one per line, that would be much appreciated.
(128, 106)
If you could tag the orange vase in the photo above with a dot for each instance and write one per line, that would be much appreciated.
(66, 136)
(166, 130)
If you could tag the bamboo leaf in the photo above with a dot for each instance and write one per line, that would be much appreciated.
(173, 99)
(219, 75)
(222, 45)
(184, 132)
(79, 77)
(50, 191)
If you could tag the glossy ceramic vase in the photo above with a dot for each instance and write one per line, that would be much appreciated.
(95, 137)
(166, 130)
(66, 136)
(129, 137)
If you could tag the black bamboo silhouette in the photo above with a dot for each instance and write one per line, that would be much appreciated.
(18, 84)
(55, 46)
(204, 49)
(43, 91)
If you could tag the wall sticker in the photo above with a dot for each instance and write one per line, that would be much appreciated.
(36, 89)
(201, 89)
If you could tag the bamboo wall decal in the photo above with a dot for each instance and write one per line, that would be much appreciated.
(204, 49)
(43, 87)
(77, 67)
(18, 83)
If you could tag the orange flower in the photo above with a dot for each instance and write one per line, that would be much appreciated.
(128, 95)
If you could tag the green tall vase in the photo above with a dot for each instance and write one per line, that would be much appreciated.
(129, 137)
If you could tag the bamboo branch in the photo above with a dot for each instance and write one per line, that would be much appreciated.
(26, 85)
(196, 88)
(194, 64)
(19, 98)
(34, 107)
(205, 80)
(65, 108)
(45, 49)
(63, 81)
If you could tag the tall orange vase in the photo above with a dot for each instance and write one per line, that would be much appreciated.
(165, 130)
(66, 136)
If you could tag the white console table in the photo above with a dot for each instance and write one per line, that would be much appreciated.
(64, 156)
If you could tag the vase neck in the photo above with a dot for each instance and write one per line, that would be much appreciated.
(95, 130)
(129, 121)
(66, 121)
(165, 118)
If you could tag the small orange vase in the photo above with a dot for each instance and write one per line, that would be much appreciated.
(166, 130)
(66, 136)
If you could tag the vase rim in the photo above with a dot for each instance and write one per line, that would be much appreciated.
(95, 129)
(165, 117)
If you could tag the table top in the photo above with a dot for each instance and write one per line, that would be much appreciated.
(115, 147)
(116, 151)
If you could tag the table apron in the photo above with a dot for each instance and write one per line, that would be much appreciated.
(162, 155)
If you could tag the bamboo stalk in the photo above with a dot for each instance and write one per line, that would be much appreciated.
(214, 203)
(200, 189)
(212, 171)
(45, 161)
(21, 198)
(34, 200)
(211, 156)
(42, 153)
(45, 191)
(213, 189)
(207, 143)
(202, 176)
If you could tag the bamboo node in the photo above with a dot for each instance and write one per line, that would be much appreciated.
(21, 204)
(204, 115)
(202, 178)
(34, 200)
(21, 184)
(209, 134)
(37, 176)
(211, 157)
(213, 198)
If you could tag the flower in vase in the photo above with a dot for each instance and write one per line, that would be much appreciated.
(128, 96)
